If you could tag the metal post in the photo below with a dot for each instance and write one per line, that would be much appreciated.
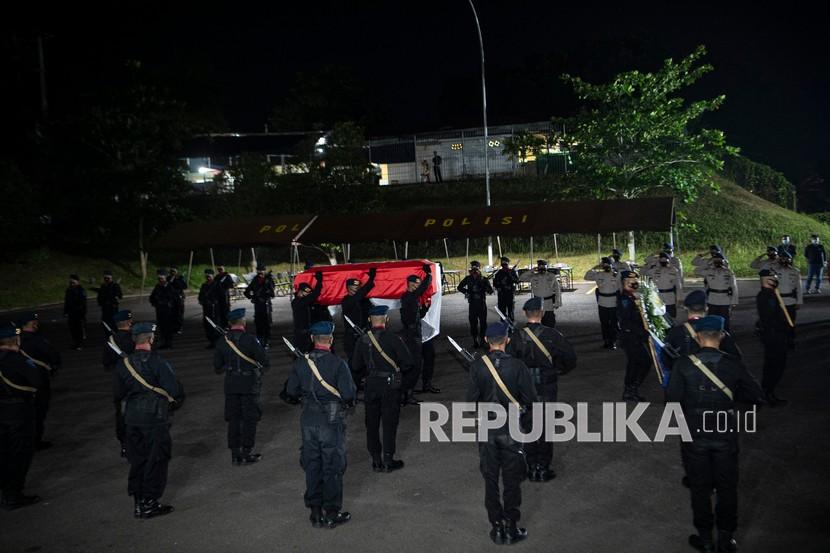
(239, 262)
(599, 245)
(555, 248)
(447, 252)
(498, 241)
(253, 260)
(189, 268)
(212, 260)
(531, 250)
(632, 250)
(395, 248)
(467, 255)
(406, 250)
(614, 238)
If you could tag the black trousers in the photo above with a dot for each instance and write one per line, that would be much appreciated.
(383, 410)
(262, 321)
(540, 452)
(323, 458)
(428, 357)
(724, 311)
(412, 338)
(506, 304)
(17, 447)
(638, 360)
(120, 426)
(501, 457)
(42, 401)
(179, 314)
(107, 312)
(149, 449)
(608, 324)
(77, 329)
(166, 323)
(437, 171)
(210, 333)
(549, 318)
(671, 310)
(775, 359)
(222, 310)
(713, 465)
(242, 413)
(302, 340)
(478, 319)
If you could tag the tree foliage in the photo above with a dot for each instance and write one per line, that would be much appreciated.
(522, 144)
(762, 180)
(637, 134)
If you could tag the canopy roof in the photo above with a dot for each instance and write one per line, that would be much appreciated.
(536, 219)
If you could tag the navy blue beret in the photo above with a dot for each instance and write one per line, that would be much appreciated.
(378, 310)
(322, 328)
(628, 274)
(236, 314)
(709, 323)
(143, 328)
(413, 278)
(8, 330)
(533, 304)
(495, 330)
(123, 315)
(695, 298)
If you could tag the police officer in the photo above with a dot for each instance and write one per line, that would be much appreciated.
(411, 315)
(148, 385)
(768, 260)
(304, 298)
(19, 383)
(775, 330)
(547, 354)
(355, 305)
(544, 284)
(674, 261)
(243, 360)
(210, 296)
(707, 385)
(608, 288)
(789, 286)
(476, 288)
(260, 291)
(224, 285)
(179, 285)
(669, 284)
(384, 361)
(123, 338)
(48, 361)
(109, 294)
(634, 337)
(721, 286)
(505, 281)
(617, 263)
(787, 245)
(500, 454)
(74, 309)
(816, 257)
(323, 382)
(706, 259)
(164, 299)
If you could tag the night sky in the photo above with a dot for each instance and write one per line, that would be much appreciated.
(416, 64)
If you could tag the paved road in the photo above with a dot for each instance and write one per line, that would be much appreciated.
(620, 497)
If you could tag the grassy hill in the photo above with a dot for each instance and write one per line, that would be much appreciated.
(742, 223)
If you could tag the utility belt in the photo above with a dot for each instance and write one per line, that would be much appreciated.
(542, 376)
(668, 290)
(727, 291)
(393, 379)
(549, 297)
(334, 411)
(13, 401)
(792, 294)
(612, 295)
(244, 372)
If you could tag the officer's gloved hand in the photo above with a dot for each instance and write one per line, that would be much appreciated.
(318, 275)
(427, 268)
(372, 272)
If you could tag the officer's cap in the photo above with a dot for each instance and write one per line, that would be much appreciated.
(352, 282)
(161, 273)
(378, 310)
(533, 304)
(413, 278)
(767, 273)
(709, 323)
(322, 328)
(8, 330)
(629, 274)
(542, 262)
(717, 255)
(123, 315)
(107, 273)
(475, 264)
(615, 251)
(668, 247)
(237, 314)
(303, 286)
(26, 317)
(143, 328)
(174, 269)
(505, 260)
(496, 330)
(209, 272)
(260, 267)
(663, 255)
(605, 260)
(74, 277)
(772, 249)
(695, 298)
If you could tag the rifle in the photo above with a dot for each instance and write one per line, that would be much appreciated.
(291, 348)
(174, 404)
(356, 328)
(108, 329)
(505, 320)
(469, 357)
(216, 327)
(783, 307)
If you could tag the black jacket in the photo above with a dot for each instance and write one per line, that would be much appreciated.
(124, 340)
(630, 319)
(260, 290)
(367, 361)
(34, 344)
(301, 308)
(770, 315)
(678, 337)
(697, 394)
(145, 407)
(411, 304)
(303, 385)
(475, 289)
(515, 375)
(357, 307)
(241, 377)
(74, 302)
(523, 347)
(815, 254)
(109, 295)
(17, 405)
(505, 280)
(164, 298)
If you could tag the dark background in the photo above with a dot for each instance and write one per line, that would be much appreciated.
(414, 66)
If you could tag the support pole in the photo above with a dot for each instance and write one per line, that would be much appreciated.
(239, 262)
(498, 241)
(447, 252)
(632, 250)
(406, 250)
(143, 258)
(614, 238)
(555, 248)
(531, 252)
(599, 246)
(467, 255)
(395, 249)
(212, 260)
(253, 260)
(189, 268)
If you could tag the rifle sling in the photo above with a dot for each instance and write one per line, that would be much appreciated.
(313, 366)
(381, 352)
(711, 376)
(499, 381)
(539, 344)
(37, 362)
(240, 354)
(138, 377)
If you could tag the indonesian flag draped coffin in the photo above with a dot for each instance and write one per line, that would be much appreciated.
(390, 285)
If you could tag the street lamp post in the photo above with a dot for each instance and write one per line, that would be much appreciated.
(486, 137)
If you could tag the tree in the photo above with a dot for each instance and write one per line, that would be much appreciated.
(637, 134)
(522, 144)
(343, 160)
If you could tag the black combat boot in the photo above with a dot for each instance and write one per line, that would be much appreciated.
(317, 519)
(236, 457)
(377, 463)
(685, 482)
(512, 533)
(12, 501)
(335, 517)
(544, 473)
(151, 508)
(533, 473)
(137, 507)
(702, 542)
(390, 464)
(250, 458)
(775, 401)
(497, 533)
(726, 543)
(430, 389)
(629, 394)
(123, 451)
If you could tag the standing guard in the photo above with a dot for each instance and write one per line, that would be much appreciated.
(475, 289)
(721, 287)
(224, 284)
(260, 291)
(48, 361)
(607, 290)
(74, 309)
(109, 294)
(789, 287)
(210, 297)
(634, 336)
(505, 281)
(411, 315)
(668, 281)
(164, 299)
(304, 298)
(178, 284)
(775, 326)
(545, 285)
(123, 338)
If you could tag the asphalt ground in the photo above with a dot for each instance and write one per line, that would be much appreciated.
(608, 497)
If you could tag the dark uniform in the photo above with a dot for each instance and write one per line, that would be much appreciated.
(147, 417)
(243, 384)
(475, 288)
(124, 340)
(356, 307)
(323, 426)
(775, 331)
(634, 340)
(383, 392)
(74, 308)
(224, 284)
(545, 379)
(500, 455)
(505, 281)
(17, 422)
(165, 298)
(179, 284)
(681, 341)
(260, 291)
(411, 315)
(301, 312)
(109, 294)
(712, 457)
(211, 296)
(38, 348)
